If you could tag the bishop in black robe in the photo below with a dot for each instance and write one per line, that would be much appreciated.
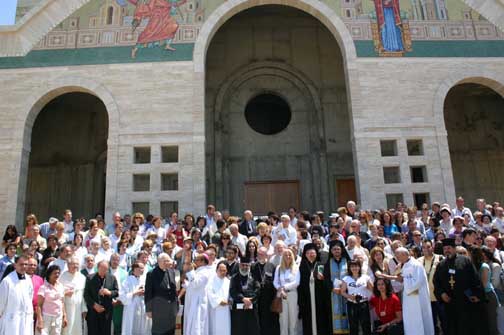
(309, 269)
(456, 277)
(244, 285)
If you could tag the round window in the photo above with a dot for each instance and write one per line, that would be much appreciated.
(268, 114)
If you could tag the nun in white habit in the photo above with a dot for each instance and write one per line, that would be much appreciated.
(218, 295)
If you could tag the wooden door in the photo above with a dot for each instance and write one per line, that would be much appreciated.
(345, 191)
(277, 196)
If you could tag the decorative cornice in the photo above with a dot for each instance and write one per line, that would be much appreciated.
(19, 39)
(492, 10)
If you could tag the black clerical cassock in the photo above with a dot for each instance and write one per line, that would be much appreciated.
(308, 275)
(100, 323)
(244, 321)
(268, 321)
(457, 277)
(161, 300)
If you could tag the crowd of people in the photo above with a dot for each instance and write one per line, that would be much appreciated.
(427, 271)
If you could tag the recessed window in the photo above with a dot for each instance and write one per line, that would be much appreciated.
(268, 114)
(169, 154)
(420, 199)
(388, 148)
(391, 175)
(415, 147)
(141, 182)
(168, 207)
(140, 207)
(393, 199)
(169, 181)
(418, 174)
(142, 155)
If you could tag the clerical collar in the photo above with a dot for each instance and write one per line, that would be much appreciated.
(20, 276)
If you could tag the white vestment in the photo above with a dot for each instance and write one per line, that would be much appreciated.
(417, 314)
(219, 316)
(135, 321)
(16, 308)
(196, 302)
(74, 305)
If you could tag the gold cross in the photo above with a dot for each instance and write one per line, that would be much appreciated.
(451, 282)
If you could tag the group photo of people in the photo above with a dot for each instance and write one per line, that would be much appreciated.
(431, 270)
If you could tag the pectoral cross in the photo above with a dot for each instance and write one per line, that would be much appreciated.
(451, 282)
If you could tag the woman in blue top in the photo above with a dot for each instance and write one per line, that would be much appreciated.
(480, 259)
(388, 227)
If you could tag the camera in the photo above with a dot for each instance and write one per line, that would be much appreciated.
(358, 298)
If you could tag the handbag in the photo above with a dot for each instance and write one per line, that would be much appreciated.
(276, 305)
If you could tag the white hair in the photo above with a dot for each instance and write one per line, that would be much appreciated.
(248, 211)
(233, 226)
(402, 250)
(285, 217)
(280, 242)
(352, 238)
(164, 256)
(74, 259)
(95, 240)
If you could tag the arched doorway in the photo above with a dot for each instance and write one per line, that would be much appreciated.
(67, 165)
(276, 59)
(474, 121)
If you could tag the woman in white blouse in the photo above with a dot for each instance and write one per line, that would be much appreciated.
(286, 282)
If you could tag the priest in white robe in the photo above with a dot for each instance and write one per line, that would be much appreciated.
(16, 308)
(219, 318)
(196, 301)
(134, 321)
(75, 306)
(417, 313)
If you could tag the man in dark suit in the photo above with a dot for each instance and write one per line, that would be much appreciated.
(101, 288)
(248, 226)
(160, 297)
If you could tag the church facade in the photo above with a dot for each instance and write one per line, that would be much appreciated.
(167, 105)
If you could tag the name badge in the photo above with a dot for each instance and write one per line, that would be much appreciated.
(451, 271)
(269, 273)
(382, 313)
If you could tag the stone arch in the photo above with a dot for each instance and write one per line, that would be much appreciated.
(33, 105)
(488, 79)
(485, 78)
(318, 9)
(315, 8)
(19, 39)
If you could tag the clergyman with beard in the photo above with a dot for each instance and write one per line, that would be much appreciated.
(244, 291)
(457, 285)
